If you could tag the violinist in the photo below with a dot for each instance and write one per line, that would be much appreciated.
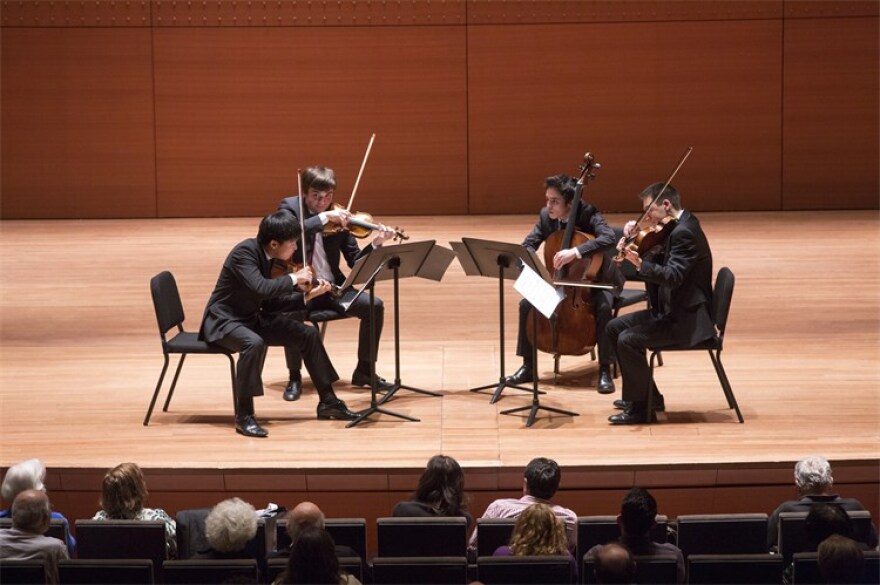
(559, 191)
(678, 277)
(234, 319)
(325, 254)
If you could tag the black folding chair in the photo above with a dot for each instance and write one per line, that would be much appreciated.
(755, 569)
(593, 530)
(24, 572)
(122, 539)
(423, 570)
(722, 534)
(793, 534)
(106, 572)
(350, 532)
(546, 570)
(492, 533)
(422, 537)
(210, 571)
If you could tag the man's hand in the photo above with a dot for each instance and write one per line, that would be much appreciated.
(629, 229)
(303, 276)
(633, 258)
(323, 287)
(384, 234)
(564, 257)
(338, 216)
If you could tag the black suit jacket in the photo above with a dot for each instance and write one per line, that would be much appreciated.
(589, 221)
(336, 246)
(679, 282)
(241, 289)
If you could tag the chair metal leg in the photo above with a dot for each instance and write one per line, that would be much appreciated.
(323, 329)
(156, 391)
(174, 382)
(593, 353)
(659, 359)
(232, 372)
(725, 383)
(650, 405)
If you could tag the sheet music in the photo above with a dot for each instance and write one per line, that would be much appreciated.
(538, 291)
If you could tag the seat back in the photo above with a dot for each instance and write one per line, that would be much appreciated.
(422, 537)
(58, 528)
(166, 302)
(24, 572)
(122, 539)
(546, 570)
(722, 295)
(660, 569)
(210, 571)
(755, 569)
(793, 534)
(352, 565)
(722, 533)
(593, 530)
(350, 532)
(427, 570)
(492, 533)
(191, 536)
(106, 571)
(805, 568)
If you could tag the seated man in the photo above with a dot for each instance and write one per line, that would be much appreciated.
(614, 563)
(25, 540)
(308, 515)
(540, 482)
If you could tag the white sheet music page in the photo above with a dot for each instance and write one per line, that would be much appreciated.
(538, 291)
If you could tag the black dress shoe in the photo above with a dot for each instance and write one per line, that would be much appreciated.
(335, 411)
(659, 403)
(359, 378)
(293, 391)
(631, 416)
(606, 382)
(247, 425)
(524, 375)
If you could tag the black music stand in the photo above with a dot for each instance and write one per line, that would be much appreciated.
(496, 260)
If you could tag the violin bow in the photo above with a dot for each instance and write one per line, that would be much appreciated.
(360, 172)
(302, 216)
(684, 157)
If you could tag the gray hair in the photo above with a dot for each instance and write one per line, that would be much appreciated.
(31, 511)
(813, 474)
(230, 525)
(27, 475)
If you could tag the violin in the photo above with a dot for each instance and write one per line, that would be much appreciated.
(360, 225)
(284, 267)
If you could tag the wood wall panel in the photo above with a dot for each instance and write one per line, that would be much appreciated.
(636, 95)
(77, 111)
(238, 110)
(832, 114)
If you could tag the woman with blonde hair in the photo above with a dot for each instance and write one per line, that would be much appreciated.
(124, 497)
(538, 532)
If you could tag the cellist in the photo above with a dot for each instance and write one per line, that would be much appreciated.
(559, 190)
(678, 277)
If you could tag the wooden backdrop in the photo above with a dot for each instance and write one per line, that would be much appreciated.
(182, 108)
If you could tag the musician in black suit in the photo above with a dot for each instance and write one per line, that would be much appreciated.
(234, 319)
(678, 278)
(325, 253)
(559, 191)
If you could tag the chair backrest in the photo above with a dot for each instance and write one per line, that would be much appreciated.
(546, 570)
(426, 570)
(722, 296)
(352, 565)
(350, 532)
(166, 302)
(593, 530)
(722, 534)
(422, 537)
(58, 528)
(106, 571)
(805, 568)
(755, 569)
(492, 533)
(210, 571)
(191, 536)
(660, 569)
(793, 534)
(24, 572)
(122, 539)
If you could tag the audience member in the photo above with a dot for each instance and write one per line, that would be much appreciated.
(538, 532)
(123, 497)
(230, 525)
(822, 521)
(614, 563)
(308, 515)
(812, 477)
(540, 482)
(313, 560)
(841, 560)
(29, 475)
(25, 540)
(440, 492)
(637, 517)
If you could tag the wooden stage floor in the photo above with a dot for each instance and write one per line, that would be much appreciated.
(80, 355)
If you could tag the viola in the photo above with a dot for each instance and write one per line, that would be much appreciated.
(285, 267)
(360, 225)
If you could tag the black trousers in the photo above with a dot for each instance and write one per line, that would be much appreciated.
(631, 335)
(602, 306)
(360, 309)
(278, 330)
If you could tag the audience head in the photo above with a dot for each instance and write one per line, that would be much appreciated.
(542, 478)
(27, 475)
(313, 558)
(230, 525)
(124, 491)
(538, 532)
(31, 512)
(442, 485)
(614, 563)
(823, 520)
(841, 560)
(637, 513)
(812, 476)
(304, 515)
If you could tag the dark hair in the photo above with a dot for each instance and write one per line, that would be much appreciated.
(823, 520)
(319, 178)
(841, 560)
(313, 558)
(638, 512)
(562, 183)
(671, 193)
(614, 563)
(542, 477)
(442, 486)
(280, 226)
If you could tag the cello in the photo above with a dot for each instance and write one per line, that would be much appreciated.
(572, 328)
